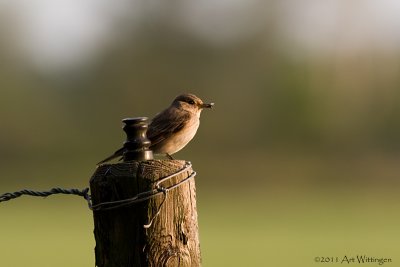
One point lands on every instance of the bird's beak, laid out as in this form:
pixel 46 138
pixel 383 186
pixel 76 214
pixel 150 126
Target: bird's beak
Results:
pixel 205 105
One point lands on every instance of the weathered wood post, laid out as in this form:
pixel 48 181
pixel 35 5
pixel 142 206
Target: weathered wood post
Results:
pixel 144 210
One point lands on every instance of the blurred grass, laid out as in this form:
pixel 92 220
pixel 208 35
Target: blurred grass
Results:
pixel 276 229
pixel 290 230
pixel 53 232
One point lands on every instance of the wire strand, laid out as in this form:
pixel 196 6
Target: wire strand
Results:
pixel 109 205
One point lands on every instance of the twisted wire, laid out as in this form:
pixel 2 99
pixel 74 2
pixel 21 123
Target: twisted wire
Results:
pixel 109 205
pixel 57 190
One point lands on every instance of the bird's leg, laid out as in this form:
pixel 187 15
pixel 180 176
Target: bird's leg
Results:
pixel 168 156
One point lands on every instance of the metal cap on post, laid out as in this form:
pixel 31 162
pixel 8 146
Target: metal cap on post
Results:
pixel 135 223
pixel 137 144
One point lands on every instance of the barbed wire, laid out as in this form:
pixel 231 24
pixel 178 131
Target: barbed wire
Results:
pixel 109 205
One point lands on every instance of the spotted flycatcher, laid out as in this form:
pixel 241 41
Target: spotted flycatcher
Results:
pixel 172 129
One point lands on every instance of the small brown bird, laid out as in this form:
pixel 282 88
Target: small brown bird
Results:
pixel 172 129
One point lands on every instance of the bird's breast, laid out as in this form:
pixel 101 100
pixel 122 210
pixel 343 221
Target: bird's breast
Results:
pixel 180 139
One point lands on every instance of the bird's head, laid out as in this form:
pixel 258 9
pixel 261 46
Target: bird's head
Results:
pixel 191 103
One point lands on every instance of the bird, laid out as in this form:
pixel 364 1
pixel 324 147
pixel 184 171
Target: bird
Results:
pixel 172 129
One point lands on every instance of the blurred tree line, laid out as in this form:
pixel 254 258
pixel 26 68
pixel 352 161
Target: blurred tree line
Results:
pixel 270 97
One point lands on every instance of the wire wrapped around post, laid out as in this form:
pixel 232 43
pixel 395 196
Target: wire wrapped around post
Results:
pixel 145 213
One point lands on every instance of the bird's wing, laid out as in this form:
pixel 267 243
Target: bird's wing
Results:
pixel 165 124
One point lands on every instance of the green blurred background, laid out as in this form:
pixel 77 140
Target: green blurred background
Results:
pixel 299 159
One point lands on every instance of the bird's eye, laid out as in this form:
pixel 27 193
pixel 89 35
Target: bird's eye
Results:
pixel 191 102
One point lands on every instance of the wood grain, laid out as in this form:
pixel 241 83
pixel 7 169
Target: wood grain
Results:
pixel 121 239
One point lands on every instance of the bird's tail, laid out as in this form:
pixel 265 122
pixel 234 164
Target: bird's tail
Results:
pixel 117 154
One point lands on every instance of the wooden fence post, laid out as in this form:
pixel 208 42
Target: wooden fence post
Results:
pixel 142 219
